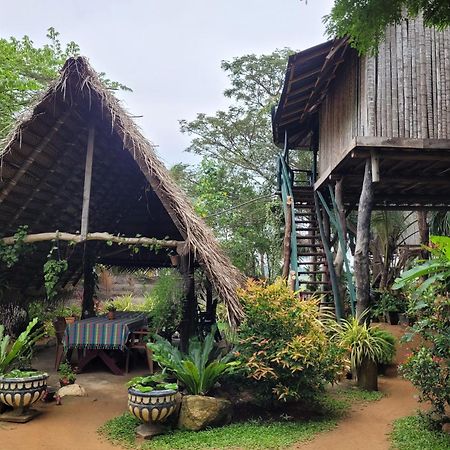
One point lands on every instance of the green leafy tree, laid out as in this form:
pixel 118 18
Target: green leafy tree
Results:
pixel 26 70
pixel 233 186
pixel 365 21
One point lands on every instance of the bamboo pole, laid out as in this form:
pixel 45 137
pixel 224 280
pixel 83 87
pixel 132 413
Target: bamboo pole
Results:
pixel 87 182
pixel 99 236
pixel 287 239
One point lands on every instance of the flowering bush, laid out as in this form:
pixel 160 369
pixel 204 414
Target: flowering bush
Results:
pixel 283 345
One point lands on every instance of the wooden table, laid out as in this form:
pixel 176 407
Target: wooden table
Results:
pixel 95 336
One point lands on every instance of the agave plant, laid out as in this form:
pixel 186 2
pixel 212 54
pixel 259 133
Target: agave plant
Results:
pixel 367 347
pixel 198 369
pixel 12 354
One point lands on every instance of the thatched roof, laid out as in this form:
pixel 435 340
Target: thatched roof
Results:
pixel 42 173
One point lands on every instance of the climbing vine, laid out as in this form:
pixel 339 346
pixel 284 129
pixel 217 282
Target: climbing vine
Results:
pixel 10 254
pixel 53 269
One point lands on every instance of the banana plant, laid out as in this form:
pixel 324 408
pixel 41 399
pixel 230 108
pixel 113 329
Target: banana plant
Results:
pixel 12 353
pixel 198 369
pixel 435 270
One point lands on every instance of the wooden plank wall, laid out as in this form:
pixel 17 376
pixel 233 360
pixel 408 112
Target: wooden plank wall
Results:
pixel 337 116
pixel 403 92
pixel 407 85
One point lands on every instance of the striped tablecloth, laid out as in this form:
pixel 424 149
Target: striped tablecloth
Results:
pixel 101 333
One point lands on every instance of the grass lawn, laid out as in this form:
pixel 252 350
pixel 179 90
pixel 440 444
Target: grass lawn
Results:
pixel 411 433
pixel 254 434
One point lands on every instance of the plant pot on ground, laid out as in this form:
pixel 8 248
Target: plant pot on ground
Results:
pixel 20 389
pixel 368 346
pixel 66 374
pixel 111 309
pixel 152 400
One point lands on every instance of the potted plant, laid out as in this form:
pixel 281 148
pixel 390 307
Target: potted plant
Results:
pixel 152 399
pixel 19 389
pixel 111 310
pixel 66 374
pixel 367 345
pixel 198 371
pixel 391 305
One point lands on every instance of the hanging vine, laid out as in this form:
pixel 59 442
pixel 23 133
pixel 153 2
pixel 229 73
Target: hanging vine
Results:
pixel 10 254
pixel 53 269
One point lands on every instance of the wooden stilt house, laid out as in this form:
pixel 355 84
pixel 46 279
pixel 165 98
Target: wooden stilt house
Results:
pixel 378 129
pixel 77 170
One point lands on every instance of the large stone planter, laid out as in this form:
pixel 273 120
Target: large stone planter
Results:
pixel 21 393
pixel 152 408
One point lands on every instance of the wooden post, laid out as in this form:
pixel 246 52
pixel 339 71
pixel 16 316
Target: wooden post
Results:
pixel 87 182
pixel 189 314
pixel 361 264
pixel 88 280
pixel 287 239
pixel 424 232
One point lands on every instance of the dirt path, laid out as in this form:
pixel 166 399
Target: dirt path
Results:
pixel 367 427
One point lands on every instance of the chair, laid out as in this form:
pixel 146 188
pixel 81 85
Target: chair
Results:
pixel 138 341
pixel 59 325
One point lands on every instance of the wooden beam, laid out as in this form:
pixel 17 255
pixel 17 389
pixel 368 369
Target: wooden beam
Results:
pixel 189 315
pixel 31 158
pixel 287 239
pixel 87 182
pixel 375 166
pixel 99 236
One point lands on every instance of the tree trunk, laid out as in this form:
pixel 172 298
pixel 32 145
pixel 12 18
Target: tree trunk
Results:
pixel 424 232
pixel 367 375
pixel 189 317
pixel 361 264
pixel 340 254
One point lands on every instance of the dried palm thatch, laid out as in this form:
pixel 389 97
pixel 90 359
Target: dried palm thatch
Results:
pixel 79 83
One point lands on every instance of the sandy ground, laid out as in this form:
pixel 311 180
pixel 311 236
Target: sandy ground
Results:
pixel 74 424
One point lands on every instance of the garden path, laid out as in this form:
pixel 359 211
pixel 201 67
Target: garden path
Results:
pixel 367 427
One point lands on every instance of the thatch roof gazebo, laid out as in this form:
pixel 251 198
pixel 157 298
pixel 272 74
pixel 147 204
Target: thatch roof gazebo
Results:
pixel 76 168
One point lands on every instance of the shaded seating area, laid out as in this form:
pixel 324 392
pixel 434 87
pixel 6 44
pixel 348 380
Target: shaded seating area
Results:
pixel 78 176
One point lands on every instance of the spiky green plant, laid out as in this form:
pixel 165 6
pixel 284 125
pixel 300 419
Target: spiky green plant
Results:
pixel 21 349
pixel 363 341
pixel 198 369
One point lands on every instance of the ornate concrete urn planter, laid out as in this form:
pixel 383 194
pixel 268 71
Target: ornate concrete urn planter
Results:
pixel 152 408
pixel 21 393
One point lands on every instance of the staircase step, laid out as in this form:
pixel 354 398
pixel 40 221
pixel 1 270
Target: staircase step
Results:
pixel 311 272
pixel 308 229
pixel 307 282
pixel 312 263
pixel 316 293
pixel 312 254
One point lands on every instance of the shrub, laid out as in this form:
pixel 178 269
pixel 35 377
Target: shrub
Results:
pixel 164 303
pixel 428 368
pixel 200 368
pixel 283 345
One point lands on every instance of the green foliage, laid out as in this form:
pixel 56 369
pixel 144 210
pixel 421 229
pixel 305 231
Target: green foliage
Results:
pixel 362 341
pixel 283 344
pixel 199 369
pixel 122 303
pixel 411 433
pixel 53 269
pixel 389 301
pixel 21 349
pixel 164 302
pixel 26 70
pixel 249 435
pixel 428 368
pixel 110 306
pixel 16 373
pixel 365 21
pixel 10 254
pixel 233 186
pixel 436 269
pixel 150 383
pixel 65 371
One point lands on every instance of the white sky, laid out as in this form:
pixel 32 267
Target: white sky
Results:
pixel 168 51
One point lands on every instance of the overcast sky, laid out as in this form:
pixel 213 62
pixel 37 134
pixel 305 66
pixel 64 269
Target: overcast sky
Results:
pixel 168 51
